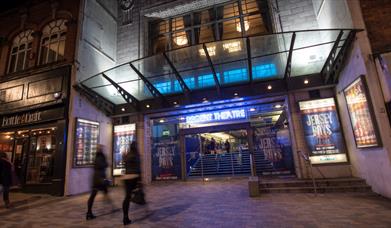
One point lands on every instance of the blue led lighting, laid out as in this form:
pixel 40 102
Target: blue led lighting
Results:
pixel 263 71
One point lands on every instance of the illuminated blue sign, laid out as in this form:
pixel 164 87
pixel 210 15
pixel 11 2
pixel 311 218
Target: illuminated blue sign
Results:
pixel 222 115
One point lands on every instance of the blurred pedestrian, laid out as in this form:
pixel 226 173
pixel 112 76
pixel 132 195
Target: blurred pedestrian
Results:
pixel 99 181
pixel 227 146
pixel 6 169
pixel 131 179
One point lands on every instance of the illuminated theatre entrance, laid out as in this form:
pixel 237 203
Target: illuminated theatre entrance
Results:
pixel 212 142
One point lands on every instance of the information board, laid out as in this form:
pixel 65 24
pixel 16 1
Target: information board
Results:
pixel 86 141
pixel 322 131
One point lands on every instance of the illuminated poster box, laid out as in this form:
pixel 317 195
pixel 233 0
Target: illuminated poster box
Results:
pixel 322 131
pixel 124 135
pixel 361 115
pixel 86 141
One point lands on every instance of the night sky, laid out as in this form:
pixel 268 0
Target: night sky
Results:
pixel 11 4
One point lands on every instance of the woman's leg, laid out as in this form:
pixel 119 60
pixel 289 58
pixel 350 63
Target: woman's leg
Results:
pixel 130 185
pixel 6 198
pixel 91 200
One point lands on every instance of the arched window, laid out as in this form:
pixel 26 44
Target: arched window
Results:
pixel 20 51
pixel 53 42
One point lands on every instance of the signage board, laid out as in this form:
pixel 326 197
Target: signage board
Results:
pixel 86 142
pixel 30 117
pixel 364 128
pixel 322 131
pixel 124 135
pixel 217 116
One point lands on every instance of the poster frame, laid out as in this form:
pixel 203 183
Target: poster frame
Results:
pixel 74 143
pixel 341 130
pixel 370 109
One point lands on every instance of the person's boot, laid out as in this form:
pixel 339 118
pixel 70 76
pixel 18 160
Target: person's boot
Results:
pixel 127 221
pixel 90 216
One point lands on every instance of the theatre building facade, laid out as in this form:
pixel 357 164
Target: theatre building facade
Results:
pixel 207 89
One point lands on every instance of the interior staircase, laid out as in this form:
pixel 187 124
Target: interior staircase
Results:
pixel 227 164
pixel 294 185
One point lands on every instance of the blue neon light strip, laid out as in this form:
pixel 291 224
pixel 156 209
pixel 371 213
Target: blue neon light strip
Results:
pixel 264 71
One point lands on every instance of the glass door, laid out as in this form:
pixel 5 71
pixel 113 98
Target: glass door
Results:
pixel 20 154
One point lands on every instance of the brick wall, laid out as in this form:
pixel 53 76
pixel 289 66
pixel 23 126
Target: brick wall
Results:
pixel 377 17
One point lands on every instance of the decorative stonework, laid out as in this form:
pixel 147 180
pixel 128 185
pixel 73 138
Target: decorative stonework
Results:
pixel 172 10
pixel 127 11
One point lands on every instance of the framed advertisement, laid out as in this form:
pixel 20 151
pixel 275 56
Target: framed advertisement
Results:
pixel 124 135
pixel 322 131
pixel 86 142
pixel 361 114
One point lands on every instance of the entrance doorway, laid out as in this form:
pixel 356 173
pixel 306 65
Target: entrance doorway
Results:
pixel 220 153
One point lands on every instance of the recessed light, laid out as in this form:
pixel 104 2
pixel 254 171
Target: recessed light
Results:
pixel 123 109
pixel 148 106
pixel 204 99
pixel 175 103
pixel 269 87
pixel 161 121
pixel 306 81
pixel 182 118
pixel 235 94
pixel 252 109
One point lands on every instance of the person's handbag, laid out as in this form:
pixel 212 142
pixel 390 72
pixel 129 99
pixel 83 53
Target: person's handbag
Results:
pixel 139 196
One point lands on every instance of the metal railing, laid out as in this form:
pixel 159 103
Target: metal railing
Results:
pixel 308 162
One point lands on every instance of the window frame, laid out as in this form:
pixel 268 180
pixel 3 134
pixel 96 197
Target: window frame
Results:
pixel 57 27
pixel 25 38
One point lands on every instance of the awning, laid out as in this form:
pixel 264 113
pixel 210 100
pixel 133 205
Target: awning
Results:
pixel 214 66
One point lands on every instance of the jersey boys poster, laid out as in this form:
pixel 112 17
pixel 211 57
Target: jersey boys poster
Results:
pixel 124 135
pixel 322 131
pixel 166 160
pixel 360 115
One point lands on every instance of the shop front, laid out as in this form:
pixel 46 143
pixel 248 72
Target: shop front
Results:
pixel 33 137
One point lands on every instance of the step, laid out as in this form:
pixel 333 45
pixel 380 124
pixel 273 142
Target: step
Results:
pixel 323 189
pixel 309 183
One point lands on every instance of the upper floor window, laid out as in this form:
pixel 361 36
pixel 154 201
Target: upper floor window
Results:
pixel 20 51
pixel 53 42
pixel 239 18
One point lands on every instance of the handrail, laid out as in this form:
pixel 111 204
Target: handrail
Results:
pixel 308 161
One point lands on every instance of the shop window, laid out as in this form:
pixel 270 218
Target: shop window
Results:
pixel 20 51
pixel 217 23
pixel 7 144
pixel 40 157
pixel 53 42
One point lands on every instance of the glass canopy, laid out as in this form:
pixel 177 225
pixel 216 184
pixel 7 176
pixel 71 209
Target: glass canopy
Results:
pixel 220 64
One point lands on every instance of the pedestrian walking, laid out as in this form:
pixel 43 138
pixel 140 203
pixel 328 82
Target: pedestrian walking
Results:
pixel 6 169
pixel 132 180
pixel 99 181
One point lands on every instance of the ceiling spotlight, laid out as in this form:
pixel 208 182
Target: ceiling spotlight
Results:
pixel 252 109
pixel 161 121
pixel 123 109
pixel 269 87
pixel 175 103
pixel 182 118
pixel 148 106
pixel 235 94
pixel 306 81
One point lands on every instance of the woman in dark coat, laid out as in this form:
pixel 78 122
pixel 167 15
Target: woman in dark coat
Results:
pixel 99 181
pixel 5 177
pixel 131 179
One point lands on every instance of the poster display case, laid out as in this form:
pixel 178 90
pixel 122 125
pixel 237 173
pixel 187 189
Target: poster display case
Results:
pixel 322 131
pixel 86 141
pixel 361 114
pixel 124 135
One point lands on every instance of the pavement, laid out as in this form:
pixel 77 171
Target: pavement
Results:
pixel 203 204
